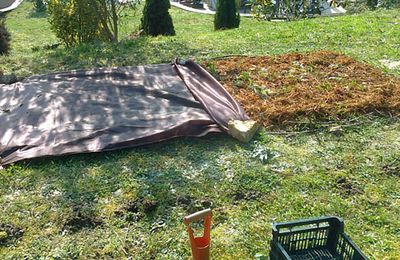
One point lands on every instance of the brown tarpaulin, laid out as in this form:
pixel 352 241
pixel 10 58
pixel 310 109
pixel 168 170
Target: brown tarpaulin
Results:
pixel 105 109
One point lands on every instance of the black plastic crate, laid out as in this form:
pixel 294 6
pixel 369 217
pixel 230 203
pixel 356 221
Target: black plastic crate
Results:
pixel 310 239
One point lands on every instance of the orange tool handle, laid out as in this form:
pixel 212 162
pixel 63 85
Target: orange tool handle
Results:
pixel 200 245
pixel 197 216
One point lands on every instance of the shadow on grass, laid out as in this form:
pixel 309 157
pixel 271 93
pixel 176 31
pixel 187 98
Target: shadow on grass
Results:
pixel 38 14
pixel 160 175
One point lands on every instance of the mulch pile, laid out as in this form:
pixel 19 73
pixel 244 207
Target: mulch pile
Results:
pixel 284 88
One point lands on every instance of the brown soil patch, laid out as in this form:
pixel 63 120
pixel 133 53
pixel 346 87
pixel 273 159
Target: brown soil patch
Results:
pixel 80 222
pixel 8 233
pixel 392 168
pixel 136 209
pixel 82 218
pixel 278 89
pixel 346 187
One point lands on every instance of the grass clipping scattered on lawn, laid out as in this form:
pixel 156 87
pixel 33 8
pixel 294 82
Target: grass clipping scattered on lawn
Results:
pixel 278 89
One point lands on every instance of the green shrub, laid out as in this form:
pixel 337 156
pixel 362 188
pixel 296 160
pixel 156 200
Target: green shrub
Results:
pixel 372 4
pixel 74 21
pixel 5 38
pixel 362 5
pixel 39 5
pixel 226 16
pixel 287 9
pixel 388 4
pixel 359 6
pixel 82 21
pixel 263 9
pixel 156 19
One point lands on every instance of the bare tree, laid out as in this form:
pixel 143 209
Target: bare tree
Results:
pixel 109 13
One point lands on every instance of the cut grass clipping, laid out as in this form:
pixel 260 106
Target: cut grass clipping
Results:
pixel 282 88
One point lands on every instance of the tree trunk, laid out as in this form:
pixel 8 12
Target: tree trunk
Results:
pixel 114 20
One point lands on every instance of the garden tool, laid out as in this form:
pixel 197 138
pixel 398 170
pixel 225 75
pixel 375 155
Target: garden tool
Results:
pixel 200 245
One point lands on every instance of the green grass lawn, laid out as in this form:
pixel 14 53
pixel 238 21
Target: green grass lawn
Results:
pixel 132 202
pixel 369 37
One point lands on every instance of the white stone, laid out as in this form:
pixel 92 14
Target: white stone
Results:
pixel 391 64
pixel 243 130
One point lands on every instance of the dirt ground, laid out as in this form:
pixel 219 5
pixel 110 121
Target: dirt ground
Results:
pixel 281 89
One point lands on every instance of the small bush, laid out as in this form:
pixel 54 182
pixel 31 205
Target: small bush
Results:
pixel 5 38
pixel 156 19
pixel 82 21
pixel 226 16
pixel 74 21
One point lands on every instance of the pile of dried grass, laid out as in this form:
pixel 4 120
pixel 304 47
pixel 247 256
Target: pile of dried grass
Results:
pixel 278 89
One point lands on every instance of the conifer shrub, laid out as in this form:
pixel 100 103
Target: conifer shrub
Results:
pixel 226 15
pixel 40 5
pixel 5 38
pixel 156 19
